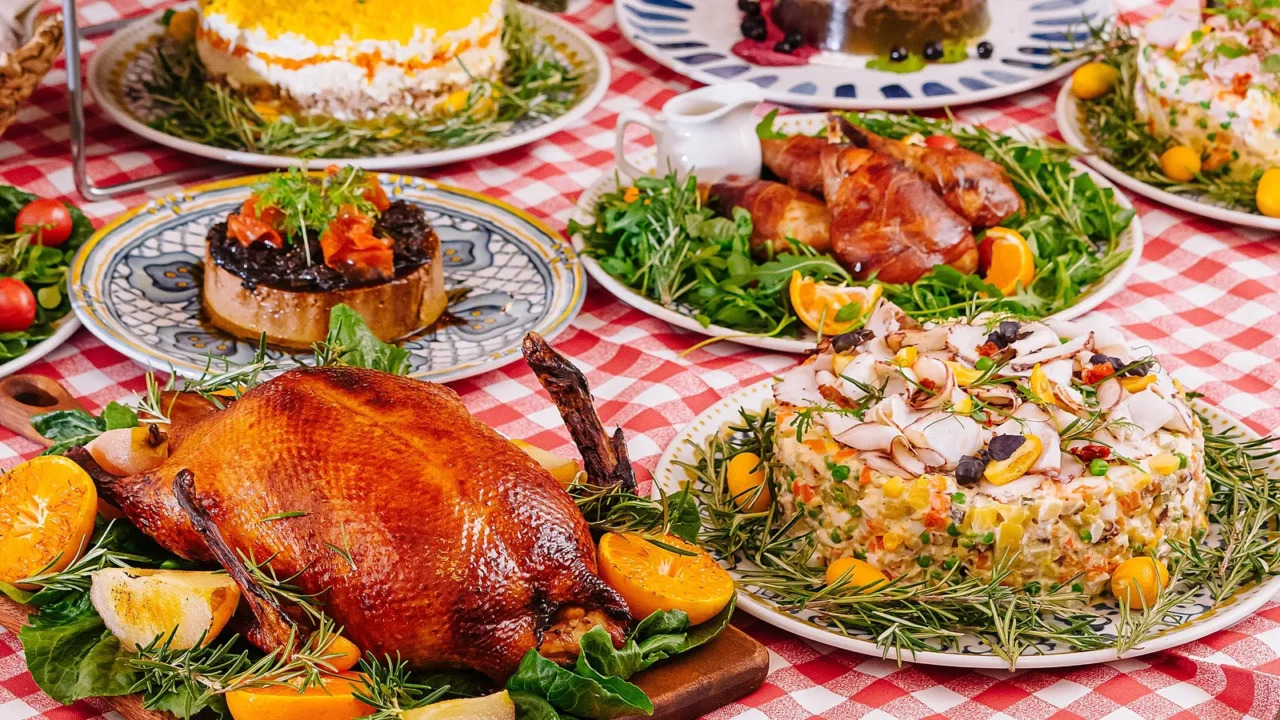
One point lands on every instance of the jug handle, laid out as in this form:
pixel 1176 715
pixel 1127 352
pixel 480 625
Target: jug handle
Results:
pixel 625 119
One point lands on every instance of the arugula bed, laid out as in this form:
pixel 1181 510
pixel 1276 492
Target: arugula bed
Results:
pixel 659 240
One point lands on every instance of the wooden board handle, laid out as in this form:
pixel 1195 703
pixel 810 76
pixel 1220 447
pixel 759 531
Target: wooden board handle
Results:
pixel 24 396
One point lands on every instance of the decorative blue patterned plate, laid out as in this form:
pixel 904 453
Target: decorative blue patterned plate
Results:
pixel 1198 617
pixel 136 283
pixel 696 37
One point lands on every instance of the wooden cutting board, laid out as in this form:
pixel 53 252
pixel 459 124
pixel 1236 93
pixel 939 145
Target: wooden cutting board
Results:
pixel 728 668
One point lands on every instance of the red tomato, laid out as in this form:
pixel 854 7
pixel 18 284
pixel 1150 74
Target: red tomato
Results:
pixel 942 142
pixel 51 217
pixel 17 305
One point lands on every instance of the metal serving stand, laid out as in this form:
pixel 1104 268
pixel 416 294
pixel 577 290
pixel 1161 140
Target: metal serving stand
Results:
pixel 75 89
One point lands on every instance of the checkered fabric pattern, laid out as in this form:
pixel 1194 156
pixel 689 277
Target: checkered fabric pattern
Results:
pixel 1207 298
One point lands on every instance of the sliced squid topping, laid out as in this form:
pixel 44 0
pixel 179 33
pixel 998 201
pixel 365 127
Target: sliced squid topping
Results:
pixel 1025 363
pixel 799 387
pixel 964 341
pixel 1038 338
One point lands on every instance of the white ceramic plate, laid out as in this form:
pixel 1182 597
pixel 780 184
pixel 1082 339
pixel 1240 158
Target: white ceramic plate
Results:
pixel 1131 239
pixel 119 70
pixel 67 327
pixel 136 283
pixel 1200 618
pixel 1067 113
pixel 696 37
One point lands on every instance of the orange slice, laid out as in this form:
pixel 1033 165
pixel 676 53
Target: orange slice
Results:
pixel 332 699
pixel 818 305
pixel 1012 261
pixel 651 578
pixel 47 509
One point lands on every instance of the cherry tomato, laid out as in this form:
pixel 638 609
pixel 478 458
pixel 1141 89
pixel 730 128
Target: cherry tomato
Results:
pixel 17 305
pixel 941 142
pixel 50 216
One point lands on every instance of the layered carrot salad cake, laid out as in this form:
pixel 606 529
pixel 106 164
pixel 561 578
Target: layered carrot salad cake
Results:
pixel 353 60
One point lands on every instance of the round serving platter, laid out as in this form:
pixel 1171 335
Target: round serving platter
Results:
pixel 67 327
pixel 695 38
pixel 808 123
pixel 1067 114
pixel 120 71
pixel 136 282
pixel 1198 618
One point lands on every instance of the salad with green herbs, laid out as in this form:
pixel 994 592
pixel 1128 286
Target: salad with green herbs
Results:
pixel 660 238
pixel 38 238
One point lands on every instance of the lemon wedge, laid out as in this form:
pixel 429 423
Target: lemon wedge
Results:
pixel 561 468
pixel 139 605
pixel 497 706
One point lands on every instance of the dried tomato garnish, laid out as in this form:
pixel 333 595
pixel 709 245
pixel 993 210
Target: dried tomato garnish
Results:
pixel 250 225
pixel 1097 373
pixel 376 195
pixel 988 349
pixel 1089 453
pixel 350 246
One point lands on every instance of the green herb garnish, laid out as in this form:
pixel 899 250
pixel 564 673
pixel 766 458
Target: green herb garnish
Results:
pixel 535 85
pixel 1112 127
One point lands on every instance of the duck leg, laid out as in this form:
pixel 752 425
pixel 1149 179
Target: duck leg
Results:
pixel 274 629
pixel 603 457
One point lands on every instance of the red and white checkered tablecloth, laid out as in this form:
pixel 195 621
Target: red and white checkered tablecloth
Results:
pixel 1207 298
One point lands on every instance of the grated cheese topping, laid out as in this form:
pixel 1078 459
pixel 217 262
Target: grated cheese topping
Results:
pixel 325 22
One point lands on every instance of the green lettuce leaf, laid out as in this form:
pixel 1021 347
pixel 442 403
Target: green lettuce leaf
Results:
pixel 596 687
pixel 357 346
pixel 68 428
pixel 571 692
pixel 77 659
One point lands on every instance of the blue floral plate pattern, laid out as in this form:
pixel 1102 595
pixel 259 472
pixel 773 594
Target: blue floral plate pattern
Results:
pixel 695 38
pixel 136 283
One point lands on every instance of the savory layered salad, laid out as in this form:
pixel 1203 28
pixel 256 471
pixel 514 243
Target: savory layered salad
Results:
pixel 350 79
pixel 942 445
pixel 352 60
pixel 1211 81
pixel 1189 102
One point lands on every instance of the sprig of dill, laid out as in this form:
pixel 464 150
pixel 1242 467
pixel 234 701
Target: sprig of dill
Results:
pixel 1114 130
pixel 535 85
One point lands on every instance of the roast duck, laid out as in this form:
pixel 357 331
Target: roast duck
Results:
pixel 882 207
pixel 463 551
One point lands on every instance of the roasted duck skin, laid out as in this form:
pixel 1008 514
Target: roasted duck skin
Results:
pixel 977 189
pixel 778 212
pixel 886 221
pixel 464 553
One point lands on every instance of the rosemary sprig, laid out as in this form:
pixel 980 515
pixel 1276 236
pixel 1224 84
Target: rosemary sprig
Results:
pixel 200 672
pixel 388 688
pixel 534 85
pixel 77 576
